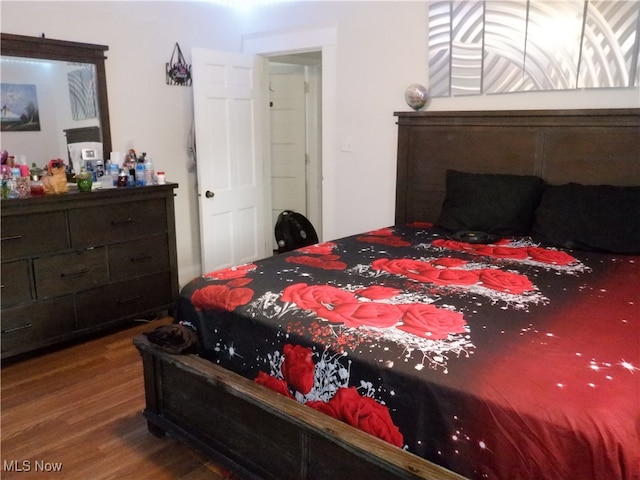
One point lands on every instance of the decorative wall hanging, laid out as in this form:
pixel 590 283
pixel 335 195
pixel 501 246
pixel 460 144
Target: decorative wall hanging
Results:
pixel 178 72
pixel 19 108
pixel 497 46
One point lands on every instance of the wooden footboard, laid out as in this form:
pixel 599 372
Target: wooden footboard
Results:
pixel 260 434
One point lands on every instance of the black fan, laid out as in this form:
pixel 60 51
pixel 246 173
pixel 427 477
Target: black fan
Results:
pixel 293 230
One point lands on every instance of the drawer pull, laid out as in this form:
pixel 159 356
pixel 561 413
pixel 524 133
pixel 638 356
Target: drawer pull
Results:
pixel 140 259
pixel 14 237
pixel 74 274
pixel 122 222
pixel 129 300
pixel 15 329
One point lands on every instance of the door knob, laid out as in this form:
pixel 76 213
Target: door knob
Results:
pixel 209 194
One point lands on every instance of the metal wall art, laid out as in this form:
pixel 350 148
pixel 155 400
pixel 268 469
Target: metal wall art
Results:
pixel 177 70
pixel 498 46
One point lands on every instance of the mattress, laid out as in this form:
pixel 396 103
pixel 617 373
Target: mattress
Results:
pixel 502 360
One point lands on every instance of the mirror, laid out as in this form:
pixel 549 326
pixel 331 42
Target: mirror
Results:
pixel 54 93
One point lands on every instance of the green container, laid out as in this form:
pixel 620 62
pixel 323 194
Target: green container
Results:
pixel 84 180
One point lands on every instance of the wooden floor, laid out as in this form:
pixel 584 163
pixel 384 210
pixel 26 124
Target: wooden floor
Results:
pixel 79 409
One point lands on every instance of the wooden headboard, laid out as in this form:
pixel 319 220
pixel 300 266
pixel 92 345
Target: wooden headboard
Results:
pixel 561 146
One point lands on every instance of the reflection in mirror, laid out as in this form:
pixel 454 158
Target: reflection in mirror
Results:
pixel 54 100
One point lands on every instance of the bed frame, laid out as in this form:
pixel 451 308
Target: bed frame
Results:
pixel 561 146
pixel 259 434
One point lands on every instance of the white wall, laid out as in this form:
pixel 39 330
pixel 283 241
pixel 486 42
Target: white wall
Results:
pixel 381 49
pixel 145 112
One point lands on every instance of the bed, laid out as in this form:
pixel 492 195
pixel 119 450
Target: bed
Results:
pixel 492 332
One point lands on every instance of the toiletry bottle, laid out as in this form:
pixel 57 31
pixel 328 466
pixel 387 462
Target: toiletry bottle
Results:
pixel 113 172
pixel 140 174
pixel 123 178
pixel 148 172
pixel 12 183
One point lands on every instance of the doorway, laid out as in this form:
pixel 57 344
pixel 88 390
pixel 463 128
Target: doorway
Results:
pixel 295 115
pixel 294 42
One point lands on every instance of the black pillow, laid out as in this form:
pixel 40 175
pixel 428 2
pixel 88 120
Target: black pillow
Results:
pixel 590 217
pixel 501 204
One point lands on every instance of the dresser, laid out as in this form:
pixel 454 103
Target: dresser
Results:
pixel 78 263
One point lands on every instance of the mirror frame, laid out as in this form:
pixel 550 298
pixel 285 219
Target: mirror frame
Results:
pixel 45 48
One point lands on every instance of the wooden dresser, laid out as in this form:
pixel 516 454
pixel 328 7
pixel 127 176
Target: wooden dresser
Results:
pixel 77 263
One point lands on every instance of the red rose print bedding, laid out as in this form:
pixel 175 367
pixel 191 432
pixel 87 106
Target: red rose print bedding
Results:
pixel 500 361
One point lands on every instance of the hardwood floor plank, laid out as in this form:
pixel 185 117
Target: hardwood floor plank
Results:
pixel 80 408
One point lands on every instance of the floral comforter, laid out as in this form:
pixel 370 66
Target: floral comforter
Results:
pixel 501 361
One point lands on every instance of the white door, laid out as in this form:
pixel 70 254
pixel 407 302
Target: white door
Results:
pixel 228 89
pixel 288 140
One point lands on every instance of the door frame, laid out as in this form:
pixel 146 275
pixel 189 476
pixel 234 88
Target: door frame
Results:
pixel 311 68
pixel 323 38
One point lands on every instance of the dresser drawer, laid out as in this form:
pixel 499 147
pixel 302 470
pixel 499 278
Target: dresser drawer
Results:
pixel 28 327
pixel 138 258
pixel 16 283
pixel 70 272
pixel 33 234
pixel 77 264
pixel 123 299
pixel 119 223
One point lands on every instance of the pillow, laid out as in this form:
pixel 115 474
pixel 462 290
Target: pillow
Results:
pixel 590 217
pixel 493 203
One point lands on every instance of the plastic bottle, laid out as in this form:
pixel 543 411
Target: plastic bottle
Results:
pixel 148 172
pixel 12 183
pixel 140 174
pixel 161 178
pixel 113 172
